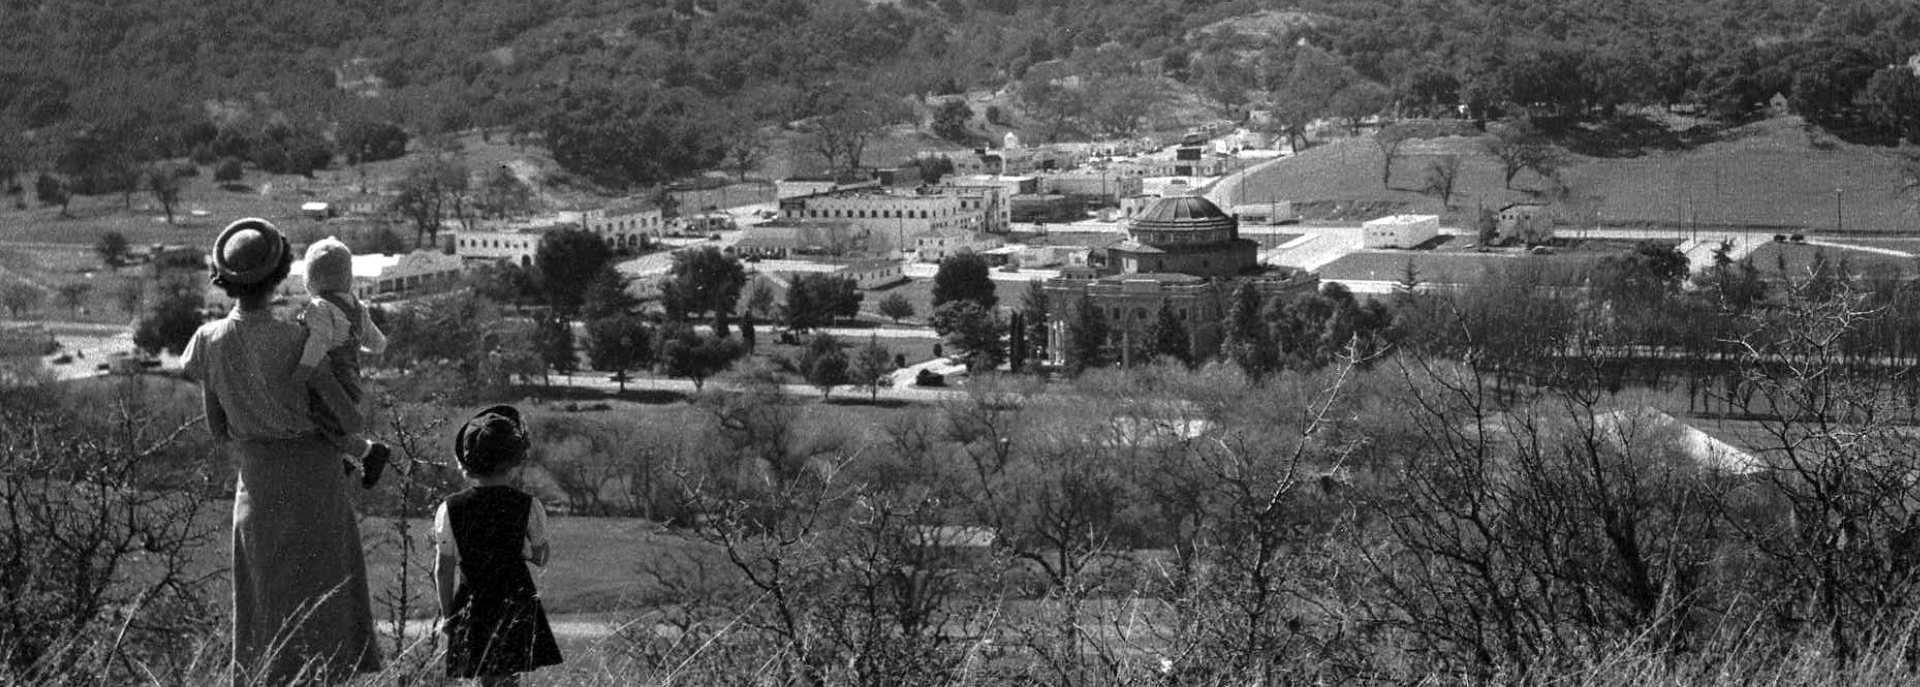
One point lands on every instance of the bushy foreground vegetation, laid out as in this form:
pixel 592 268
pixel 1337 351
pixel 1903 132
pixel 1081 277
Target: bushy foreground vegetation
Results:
pixel 1413 513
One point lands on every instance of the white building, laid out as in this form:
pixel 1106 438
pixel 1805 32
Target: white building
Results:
pixel 623 227
pixel 376 277
pixel 937 246
pixel 517 247
pixel 873 274
pixel 901 216
pixel 1399 231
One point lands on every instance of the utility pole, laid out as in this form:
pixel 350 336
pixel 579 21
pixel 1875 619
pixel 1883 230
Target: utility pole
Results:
pixel 1839 216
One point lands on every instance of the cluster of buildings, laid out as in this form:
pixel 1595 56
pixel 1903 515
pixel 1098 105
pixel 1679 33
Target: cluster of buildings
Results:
pixel 1183 253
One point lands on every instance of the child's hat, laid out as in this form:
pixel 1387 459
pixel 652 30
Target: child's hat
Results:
pixel 490 433
pixel 329 266
pixel 248 251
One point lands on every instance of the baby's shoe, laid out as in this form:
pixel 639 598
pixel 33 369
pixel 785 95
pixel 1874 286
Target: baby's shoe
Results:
pixel 375 463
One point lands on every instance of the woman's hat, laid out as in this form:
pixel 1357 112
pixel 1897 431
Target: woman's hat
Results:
pixel 248 251
pixel 495 430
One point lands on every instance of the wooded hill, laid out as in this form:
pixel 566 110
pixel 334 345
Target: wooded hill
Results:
pixel 696 72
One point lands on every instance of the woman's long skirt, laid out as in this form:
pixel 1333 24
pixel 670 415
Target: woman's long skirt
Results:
pixel 301 608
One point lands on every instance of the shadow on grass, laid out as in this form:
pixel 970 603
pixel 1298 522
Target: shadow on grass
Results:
pixel 562 393
pixel 863 402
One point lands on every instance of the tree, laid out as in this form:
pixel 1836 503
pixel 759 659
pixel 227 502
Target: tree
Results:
pixel 1441 174
pixel 429 192
pixel 632 138
pixel 1733 286
pixel 1121 106
pixel 1035 313
pixel 52 189
pixel 618 343
pixel 972 332
pixel 363 140
pixel 1248 342
pixel 760 298
pixel 1357 101
pixel 607 294
pixel 963 276
pixel 165 186
pixel 1390 140
pixel 847 119
pixel 743 145
pixel 73 294
pixel 20 297
pixel 824 363
pixel 896 307
pixel 169 322
pixel 950 120
pixel 1169 336
pixel 703 280
pixel 1519 146
pixel 553 342
pixel 1307 93
pixel 816 299
pixel 228 170
pixel 112 249
pixel 503 195
pixel 697 357
pixel 1086 339
pixel 869 367
pixel 1051 105
pixel 1892 100
pixel 567 265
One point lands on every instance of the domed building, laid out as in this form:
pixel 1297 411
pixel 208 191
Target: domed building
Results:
pixel 1185 235
pixel 1182 253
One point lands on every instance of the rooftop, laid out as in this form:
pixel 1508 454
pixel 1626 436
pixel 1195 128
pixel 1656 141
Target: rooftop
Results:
pixel 1181 209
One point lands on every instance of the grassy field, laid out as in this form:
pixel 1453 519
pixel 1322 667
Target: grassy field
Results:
pixel 1453 264
pixel 1798 258
pixel 1771 175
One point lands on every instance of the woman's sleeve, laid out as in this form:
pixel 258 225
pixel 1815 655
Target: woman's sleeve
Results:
pixel 193 361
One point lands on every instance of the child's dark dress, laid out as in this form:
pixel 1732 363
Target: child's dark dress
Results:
pixel 497 626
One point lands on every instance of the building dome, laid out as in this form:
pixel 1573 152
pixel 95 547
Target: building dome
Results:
pixel 1184 235
pixel 1181 209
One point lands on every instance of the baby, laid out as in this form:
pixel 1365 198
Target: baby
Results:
pixel 338 331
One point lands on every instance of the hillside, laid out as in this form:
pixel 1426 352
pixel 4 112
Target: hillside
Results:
pixel 1776 174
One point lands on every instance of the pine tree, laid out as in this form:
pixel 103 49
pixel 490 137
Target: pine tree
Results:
pixel 1086 337
pixel 1169 337
pixel 1248 344
pixel 1034 315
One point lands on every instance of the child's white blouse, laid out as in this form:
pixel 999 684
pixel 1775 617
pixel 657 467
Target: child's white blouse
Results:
pixel 444 544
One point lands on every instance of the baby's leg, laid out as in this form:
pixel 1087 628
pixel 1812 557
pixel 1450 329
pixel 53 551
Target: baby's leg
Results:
pixel 335 407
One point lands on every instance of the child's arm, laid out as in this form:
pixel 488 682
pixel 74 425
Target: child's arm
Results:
pixel 446 571
pixel 323 333
pixel 446 561
pixel 372 340
pixel 538 548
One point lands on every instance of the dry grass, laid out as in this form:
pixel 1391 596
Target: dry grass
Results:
pixel 1771 175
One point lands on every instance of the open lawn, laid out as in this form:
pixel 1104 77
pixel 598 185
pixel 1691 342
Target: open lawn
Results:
pixel 1796 260
pixel 1771 175
pixel 98 295
pixel 1456 265
pixel 1340 180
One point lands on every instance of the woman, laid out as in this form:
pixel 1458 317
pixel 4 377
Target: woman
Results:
pixel 300 602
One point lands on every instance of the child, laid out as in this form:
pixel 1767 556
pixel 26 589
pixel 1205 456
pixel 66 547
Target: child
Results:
pixel 494 623
pixel 338 331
